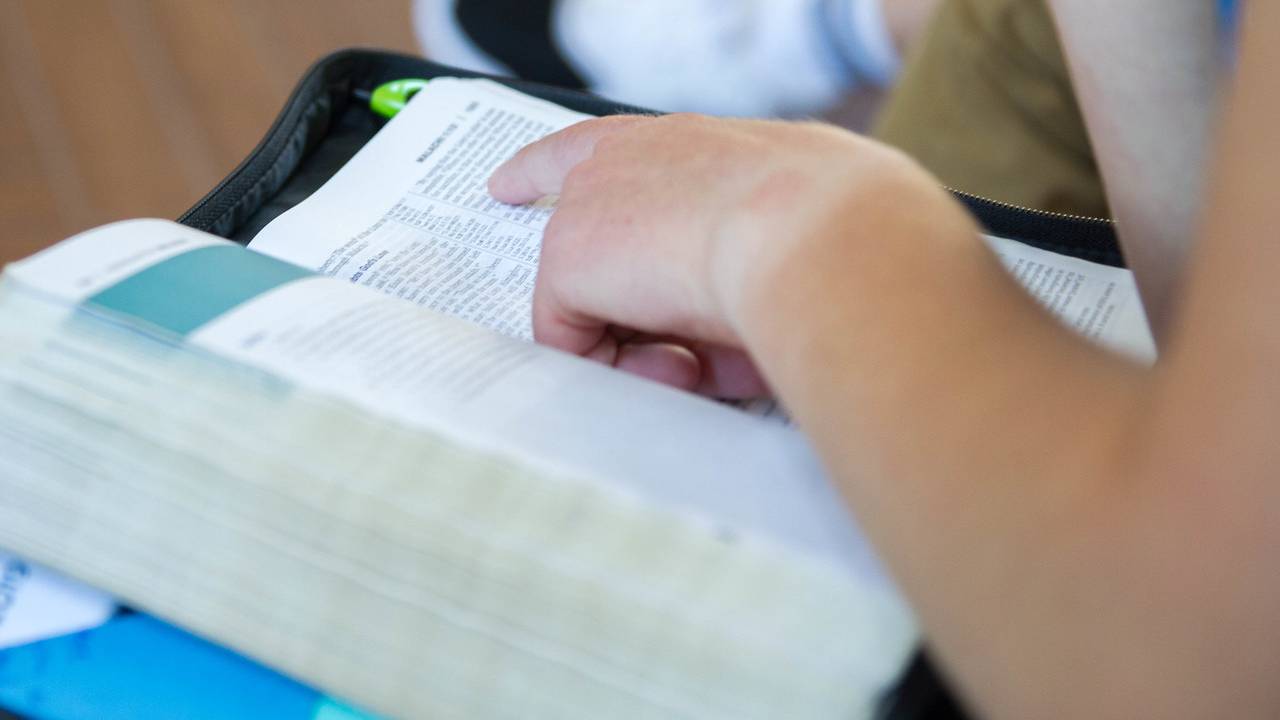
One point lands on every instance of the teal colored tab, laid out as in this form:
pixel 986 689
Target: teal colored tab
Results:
pixel 186 291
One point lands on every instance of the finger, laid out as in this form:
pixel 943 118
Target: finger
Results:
pixel 539 169
pixel 662 362
pixel 708 369
pixel 605 352
pixel 666 363
pixel 557 325
pixel 728 373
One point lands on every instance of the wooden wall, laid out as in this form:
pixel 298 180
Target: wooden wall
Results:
pixel 112 109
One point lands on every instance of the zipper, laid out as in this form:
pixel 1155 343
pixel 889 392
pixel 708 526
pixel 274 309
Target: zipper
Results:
pixel 1082 236
pixel 211 210
pixel 271 146
pixel 981 200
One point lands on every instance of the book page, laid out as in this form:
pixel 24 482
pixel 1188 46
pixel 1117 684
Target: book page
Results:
pixel 398 567
pixel 563 413
pixel 1098 301
pixel 37 603
pixel 87 263
pixel 410 215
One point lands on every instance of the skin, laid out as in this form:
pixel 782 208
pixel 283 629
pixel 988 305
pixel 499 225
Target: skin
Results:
pixel 1080 536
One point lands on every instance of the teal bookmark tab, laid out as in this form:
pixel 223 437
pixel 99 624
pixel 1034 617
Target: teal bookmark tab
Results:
pixel 186 291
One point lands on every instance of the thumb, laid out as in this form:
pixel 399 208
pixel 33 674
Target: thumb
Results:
pixel 539 169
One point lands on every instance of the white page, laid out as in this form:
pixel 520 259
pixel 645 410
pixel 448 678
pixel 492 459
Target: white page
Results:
pixel 410 215
pixel 1098 301
pixel 675 449
pixel 565 413
pixel 37 603
pixel 747 483
pixel 91 261
pixel 603 604
pixel 421 367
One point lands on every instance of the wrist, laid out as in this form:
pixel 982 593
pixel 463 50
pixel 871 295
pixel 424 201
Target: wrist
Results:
pixel 854 195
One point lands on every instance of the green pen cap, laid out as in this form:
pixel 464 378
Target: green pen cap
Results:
pixel 390 98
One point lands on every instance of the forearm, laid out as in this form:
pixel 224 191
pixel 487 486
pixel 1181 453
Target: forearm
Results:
pixel 1082 537
pixel 911 321
pixel 980 444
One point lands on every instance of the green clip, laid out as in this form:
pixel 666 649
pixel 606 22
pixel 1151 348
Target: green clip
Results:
pixel 390 98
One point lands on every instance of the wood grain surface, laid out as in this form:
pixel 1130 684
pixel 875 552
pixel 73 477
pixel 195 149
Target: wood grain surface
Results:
pixel 112 109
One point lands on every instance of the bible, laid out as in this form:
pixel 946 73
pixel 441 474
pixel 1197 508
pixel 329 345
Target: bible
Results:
pixel 338 452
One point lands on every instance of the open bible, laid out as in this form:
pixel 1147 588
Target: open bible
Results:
pixel 338 453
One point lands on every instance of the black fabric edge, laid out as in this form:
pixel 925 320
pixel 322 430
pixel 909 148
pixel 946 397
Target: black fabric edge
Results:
pixel 921 694
pixel 322 93
pixel 1091 239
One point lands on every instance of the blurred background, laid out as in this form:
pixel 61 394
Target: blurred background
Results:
pixel 112 109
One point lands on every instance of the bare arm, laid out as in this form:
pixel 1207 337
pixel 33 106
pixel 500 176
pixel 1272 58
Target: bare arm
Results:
pixel 1081 537
pixel 1147 73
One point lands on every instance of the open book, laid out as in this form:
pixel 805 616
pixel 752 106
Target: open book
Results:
pixel 338 453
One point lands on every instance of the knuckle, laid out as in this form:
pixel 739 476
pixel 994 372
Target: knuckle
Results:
pixel 581 178
pixel 558 234
pixel 608 144
pixel 560 148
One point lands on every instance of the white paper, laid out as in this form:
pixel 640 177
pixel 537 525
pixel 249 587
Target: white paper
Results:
pixel 410 215
pixel 1098 301
pixel 613 607
pixel 548 408
pixel 94 260
pixel 36 603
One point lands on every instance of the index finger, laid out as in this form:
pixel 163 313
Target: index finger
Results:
pixel 539 169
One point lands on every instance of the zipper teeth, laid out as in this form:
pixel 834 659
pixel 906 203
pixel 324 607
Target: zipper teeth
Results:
pixel 241 173
pixel 1031 211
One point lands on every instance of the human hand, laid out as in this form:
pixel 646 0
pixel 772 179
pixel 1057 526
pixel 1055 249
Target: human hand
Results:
pixel 663 224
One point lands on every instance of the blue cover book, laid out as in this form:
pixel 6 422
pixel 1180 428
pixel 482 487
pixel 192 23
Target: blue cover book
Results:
pixel 138 668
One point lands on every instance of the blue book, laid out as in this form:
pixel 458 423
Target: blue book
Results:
pixel 135 667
